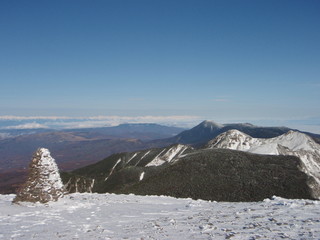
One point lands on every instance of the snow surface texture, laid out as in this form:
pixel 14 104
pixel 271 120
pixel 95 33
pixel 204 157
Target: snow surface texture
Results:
pixel 44 183
pixel 291 143
pixel 107 216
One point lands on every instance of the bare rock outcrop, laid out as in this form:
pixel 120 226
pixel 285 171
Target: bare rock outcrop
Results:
pixel 43 183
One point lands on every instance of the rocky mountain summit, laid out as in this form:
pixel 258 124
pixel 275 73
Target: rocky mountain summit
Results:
pixel 43 183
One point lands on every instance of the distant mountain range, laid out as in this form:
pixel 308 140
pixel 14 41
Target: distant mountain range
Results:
pixel 142 131
pixel 72 148
pixel 75 148
pixel 207 130
pixel 213 172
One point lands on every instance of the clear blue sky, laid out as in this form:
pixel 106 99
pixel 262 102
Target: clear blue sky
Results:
pixel 221 60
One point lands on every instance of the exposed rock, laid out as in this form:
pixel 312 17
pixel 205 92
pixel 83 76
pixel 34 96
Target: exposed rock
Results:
pixel 43 183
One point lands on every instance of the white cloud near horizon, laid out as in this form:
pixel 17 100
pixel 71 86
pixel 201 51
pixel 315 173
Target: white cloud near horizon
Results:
pixel 32 125
pixel 64 122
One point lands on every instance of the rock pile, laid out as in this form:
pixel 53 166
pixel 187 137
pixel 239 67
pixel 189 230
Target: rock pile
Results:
pixel 43 183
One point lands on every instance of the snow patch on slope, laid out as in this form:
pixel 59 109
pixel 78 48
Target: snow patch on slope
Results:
pixel 141 176
pixel 143 157
pixel 133 156
pixel 171 154
pixel 119 160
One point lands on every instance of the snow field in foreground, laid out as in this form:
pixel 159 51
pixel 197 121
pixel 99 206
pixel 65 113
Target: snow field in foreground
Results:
pixel 109 216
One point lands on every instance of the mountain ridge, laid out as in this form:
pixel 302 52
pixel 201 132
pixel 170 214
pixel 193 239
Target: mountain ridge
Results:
pixel 76 148
pixel 208 130
pixel 141 177
pixel 291 143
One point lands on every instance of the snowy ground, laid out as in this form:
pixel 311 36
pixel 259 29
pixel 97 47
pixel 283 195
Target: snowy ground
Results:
pixel 108 216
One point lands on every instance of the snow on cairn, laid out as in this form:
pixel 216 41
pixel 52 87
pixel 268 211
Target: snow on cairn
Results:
pixel 44 183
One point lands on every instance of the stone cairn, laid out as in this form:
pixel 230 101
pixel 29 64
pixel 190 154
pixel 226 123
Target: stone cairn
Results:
pixel 43 183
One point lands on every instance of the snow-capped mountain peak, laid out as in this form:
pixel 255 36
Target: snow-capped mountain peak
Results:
pixel 291 143
pixel 237 140
pixel 232 139
pixel 297 141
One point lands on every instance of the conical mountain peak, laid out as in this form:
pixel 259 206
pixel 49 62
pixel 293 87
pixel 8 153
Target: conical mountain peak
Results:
pixel 210 124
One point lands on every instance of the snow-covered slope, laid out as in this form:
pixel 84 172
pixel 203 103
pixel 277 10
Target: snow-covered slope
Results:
pixel 290 143
pixel 109 216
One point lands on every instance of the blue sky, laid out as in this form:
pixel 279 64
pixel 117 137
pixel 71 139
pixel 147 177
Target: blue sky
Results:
pixel 228 61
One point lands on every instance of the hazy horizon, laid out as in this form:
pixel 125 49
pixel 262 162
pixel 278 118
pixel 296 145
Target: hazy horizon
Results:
pixel 65 122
